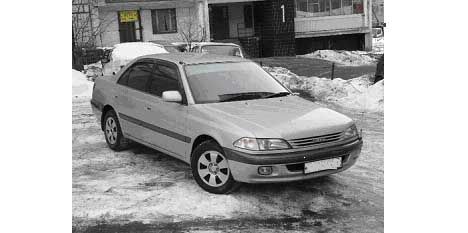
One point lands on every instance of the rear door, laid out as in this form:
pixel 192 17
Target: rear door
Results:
pixel 131 99
pixel 167 119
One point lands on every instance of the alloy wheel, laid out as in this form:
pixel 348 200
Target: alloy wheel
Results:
pixel 213 168
pixel 111 130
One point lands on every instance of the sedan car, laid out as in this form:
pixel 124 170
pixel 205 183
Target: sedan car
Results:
pixel 226 117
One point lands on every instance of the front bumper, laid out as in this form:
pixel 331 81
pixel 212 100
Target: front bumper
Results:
pixel 289 166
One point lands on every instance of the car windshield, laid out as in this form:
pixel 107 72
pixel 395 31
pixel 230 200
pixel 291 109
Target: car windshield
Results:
pixel 223 82
pixel 226 50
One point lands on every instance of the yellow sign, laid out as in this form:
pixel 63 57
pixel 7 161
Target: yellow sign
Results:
pixel 128 16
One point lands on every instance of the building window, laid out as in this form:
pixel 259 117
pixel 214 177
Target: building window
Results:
pixel 248 19
pixel 164 21
pixel 320 8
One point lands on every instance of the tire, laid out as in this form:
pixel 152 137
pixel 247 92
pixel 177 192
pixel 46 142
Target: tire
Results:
pixel 211 170
pixel 113 133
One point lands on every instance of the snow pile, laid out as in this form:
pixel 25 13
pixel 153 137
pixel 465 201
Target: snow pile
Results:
pixel 378 45
pixel 125 52
pixel 81 87
pixel 346 58
pixel 356 93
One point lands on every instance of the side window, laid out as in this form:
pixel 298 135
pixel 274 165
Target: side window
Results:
pixel 165 78
pixel 139 75
pixel 123 80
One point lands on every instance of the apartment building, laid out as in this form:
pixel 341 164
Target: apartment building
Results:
pixel 263 27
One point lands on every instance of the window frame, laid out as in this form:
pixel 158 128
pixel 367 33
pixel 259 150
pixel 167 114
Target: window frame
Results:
pixel 154 22
pixel 180 84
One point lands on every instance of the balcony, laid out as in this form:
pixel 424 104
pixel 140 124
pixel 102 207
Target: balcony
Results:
pixel 330 25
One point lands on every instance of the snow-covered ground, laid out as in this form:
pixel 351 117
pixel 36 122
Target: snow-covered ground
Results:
pixel 350 58
pixel 81 86
pixel 146 186
pixel 342 57
pixel 357 93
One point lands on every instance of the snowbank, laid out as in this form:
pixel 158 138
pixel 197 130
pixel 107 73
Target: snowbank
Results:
pixel 81 87
pixel 125 52
pixel 345 58
pixel 357 93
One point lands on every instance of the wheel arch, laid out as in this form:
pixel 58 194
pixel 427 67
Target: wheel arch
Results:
pixel 105 109
pixel 200 139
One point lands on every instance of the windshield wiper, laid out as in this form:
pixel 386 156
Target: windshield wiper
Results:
pixel 278 94
pixel 242 96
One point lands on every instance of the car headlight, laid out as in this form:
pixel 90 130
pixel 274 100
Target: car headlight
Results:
pixel 262 144
pixel 351 132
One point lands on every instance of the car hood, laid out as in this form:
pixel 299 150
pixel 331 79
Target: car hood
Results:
pixel 289 117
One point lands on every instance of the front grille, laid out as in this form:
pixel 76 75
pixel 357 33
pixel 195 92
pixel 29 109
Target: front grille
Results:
pixel 317 140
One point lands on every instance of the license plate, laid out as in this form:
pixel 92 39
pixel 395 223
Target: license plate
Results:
pixel 321 165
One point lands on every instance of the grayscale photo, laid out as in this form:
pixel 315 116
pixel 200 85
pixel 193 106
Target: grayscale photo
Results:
pixel 228 116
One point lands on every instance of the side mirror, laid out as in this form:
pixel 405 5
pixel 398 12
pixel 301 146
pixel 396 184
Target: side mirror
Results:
pixel 172 96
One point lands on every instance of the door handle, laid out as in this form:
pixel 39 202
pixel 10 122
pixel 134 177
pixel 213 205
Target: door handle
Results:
pixel 116 96
pixel 148 108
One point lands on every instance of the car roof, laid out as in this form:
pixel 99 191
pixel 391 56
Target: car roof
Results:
pixel 194 58
pixel 164 43
pixel 214 43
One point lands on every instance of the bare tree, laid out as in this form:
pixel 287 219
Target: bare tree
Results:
pixel 88 26
pixel 190 30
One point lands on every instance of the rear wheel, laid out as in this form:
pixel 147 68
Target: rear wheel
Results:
pixel 210 169
pixel 113 133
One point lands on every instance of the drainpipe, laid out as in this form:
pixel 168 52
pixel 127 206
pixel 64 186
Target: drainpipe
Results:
pixel 368 24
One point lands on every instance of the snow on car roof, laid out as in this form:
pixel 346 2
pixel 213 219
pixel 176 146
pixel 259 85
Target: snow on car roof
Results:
pixel 131 50
pixel 195 58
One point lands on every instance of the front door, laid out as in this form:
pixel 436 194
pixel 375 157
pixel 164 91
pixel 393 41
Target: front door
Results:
pixel 127 25
pixel 219 22
pixel 127 32
pixel 168 119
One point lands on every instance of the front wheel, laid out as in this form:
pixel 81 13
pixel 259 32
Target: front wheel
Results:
pixel 210 169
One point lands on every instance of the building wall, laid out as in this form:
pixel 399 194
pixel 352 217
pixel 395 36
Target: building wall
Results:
pixel 347 31
pixel 184 15
pixel 110 35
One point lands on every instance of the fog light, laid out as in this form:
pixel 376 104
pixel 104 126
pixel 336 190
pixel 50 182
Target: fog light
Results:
pixel 265 170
